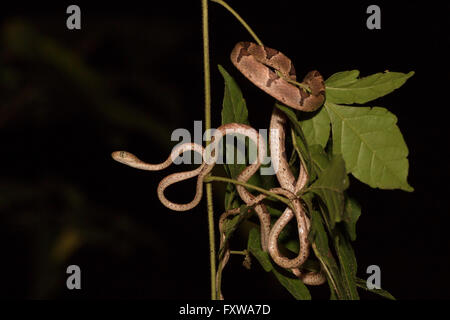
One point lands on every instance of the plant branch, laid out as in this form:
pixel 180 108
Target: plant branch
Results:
pixel 251 186
pixel 209 192
pixel 234 13
pixel 242 253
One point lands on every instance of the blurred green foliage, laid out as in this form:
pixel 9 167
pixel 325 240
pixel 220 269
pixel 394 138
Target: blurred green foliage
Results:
pixel 56 110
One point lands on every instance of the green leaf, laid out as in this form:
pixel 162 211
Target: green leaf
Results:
pixel 319 235
pixel 319 158
pixel 347 261
pixel 317 128
pixel 362 284
pixel 254 246
pixel 231 201
pixel 330 188
pixel 333 295
pixel 293 285
pixel 234 106
pixel 371 144
pixel 342 78
pixel 323 253
pixel 352 212
pixel 346 89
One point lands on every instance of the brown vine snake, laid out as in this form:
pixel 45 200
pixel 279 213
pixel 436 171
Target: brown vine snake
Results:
pixel 253 61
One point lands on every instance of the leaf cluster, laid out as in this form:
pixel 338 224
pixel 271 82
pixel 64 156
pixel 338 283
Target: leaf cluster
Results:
pixel 339 139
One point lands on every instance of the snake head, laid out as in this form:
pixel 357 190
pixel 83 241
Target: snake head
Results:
pixel 123 157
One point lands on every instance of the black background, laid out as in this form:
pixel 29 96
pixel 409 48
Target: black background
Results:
pixel 59 183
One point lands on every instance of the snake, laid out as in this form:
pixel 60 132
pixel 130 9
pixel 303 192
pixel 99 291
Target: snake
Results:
pixel 289 187
pixel 210 156
pixel 271 71
pixel 288 182
pixel 274 73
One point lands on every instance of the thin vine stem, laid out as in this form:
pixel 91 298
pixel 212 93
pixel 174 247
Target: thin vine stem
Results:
pixel 234 13
pixel 253 34
pixel 242 253
pixel 251 186
pixel 209 191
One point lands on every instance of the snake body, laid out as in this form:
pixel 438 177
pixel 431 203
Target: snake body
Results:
pixel 133 161
pixel 274 73
pixel 293 186
pixel 271 70
pixel 210 157
pixel 287 182
pixel 256 62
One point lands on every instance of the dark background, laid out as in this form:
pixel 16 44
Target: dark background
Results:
pixel 132 75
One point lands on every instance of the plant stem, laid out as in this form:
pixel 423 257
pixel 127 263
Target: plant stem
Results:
pixel 242 253
pixel 250 186
pixel 234 13
pixel 209 192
